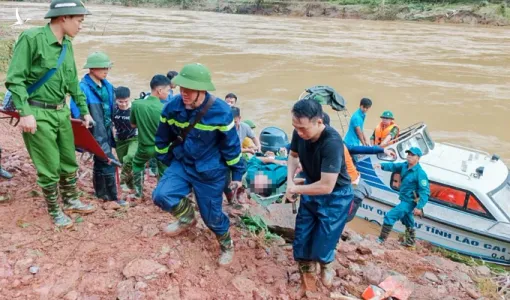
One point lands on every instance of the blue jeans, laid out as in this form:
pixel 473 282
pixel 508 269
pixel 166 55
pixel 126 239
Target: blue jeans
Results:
pixel 176 184
pixel 319 224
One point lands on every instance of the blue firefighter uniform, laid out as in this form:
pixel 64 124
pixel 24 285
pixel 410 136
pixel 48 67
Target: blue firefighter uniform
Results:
pixel 414 183
pixel 201 162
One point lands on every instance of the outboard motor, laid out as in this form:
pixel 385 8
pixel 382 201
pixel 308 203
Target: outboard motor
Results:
pixel 272 139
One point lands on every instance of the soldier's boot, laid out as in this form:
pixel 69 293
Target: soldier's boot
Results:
pixel 185 215
pixel 124 182
pixel 126 177
pixel 327 274
pixel 153 167
pixel 57 215
pixel 70 196
pixel 410 238
pixel 226 249
pixel 308 270
pixel 385 232
pixel 138 178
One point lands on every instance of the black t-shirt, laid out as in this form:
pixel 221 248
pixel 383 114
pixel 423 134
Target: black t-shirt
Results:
pixel 123 125
pixel 325 155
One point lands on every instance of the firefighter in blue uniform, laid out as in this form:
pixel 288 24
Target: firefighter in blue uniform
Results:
pixel 414 193
pixel 201 161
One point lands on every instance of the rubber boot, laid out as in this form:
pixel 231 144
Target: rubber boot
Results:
pixel 111 190
pixel 153 167
pixel 410 238
pixel 308 278
pixel 138 178
pixel 385 232
pixel 226 249
pixel 185 215
pixel 72 203
pixel 126 180
pixel 99 184
pixel 327 274
pixel 57 215
pixel 5 174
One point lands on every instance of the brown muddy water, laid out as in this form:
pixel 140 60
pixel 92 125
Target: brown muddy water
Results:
pixel 454 78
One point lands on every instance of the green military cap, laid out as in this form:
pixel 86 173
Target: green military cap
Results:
pixel 387 114
pixel 98 60
pixel 194 77
pixel 250 123
pixel 66 8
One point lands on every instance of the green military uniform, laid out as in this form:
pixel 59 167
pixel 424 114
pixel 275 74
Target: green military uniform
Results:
pixel 145 114
pixel 52 146
pixel 126 151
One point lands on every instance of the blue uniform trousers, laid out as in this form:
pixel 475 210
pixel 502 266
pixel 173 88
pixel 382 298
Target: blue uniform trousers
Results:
pixel 319 224
pixel 402 212
pixel 176 184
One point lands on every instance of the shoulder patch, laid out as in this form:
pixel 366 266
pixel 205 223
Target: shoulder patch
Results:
pixel 423 182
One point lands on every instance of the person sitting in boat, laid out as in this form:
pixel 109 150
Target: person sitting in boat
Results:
pixel 244 131
pixel 414 193
pixel 386 132
pixel 248 143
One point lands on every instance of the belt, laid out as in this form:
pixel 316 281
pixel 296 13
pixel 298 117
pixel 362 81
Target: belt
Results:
pixel 46 105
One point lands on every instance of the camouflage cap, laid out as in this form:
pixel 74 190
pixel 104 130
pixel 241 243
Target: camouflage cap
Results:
pixel 66 8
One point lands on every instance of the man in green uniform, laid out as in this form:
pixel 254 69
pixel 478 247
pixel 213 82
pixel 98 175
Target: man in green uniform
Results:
pixel 145 116
pixel 44 115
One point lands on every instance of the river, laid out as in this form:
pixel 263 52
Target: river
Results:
pixel 454 78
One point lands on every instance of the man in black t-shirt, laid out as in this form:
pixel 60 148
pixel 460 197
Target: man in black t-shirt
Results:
pixel 326 195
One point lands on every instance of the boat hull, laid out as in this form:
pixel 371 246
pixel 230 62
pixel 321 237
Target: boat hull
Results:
pixel 442 235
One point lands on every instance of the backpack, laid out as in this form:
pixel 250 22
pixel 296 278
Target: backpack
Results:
pixel 326 95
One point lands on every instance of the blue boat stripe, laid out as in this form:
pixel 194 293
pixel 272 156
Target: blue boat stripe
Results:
pixel 371 178
pixel 379 186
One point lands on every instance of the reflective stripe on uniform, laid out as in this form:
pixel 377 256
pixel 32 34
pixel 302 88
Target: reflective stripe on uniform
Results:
pixel 234 161
pixel 198 126
pixel 162 151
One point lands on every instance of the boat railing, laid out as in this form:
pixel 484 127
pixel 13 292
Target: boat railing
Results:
pixel 445 169
pixel 467 148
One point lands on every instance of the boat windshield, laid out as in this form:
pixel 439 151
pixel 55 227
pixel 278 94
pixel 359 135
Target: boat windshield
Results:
pixel 416 141
pixel 428 139
pixel 502 197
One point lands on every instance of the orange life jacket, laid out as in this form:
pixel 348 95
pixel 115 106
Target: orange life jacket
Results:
pixel 381 134
pixel 351 169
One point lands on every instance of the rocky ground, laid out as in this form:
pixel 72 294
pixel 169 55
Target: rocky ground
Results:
pixel 122 254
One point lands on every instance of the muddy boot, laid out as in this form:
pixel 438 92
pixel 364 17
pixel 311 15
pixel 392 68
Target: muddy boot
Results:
pixel 308 278
pixel 153 167
pixel 385 232
pixel 327 274
pixel 410 238
pixel 138 178
pixel 123 182
pixel 111 190
pixel 185 215
pixel 57 215
pixel 5 174
pixel 72 203
pixel 226 248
